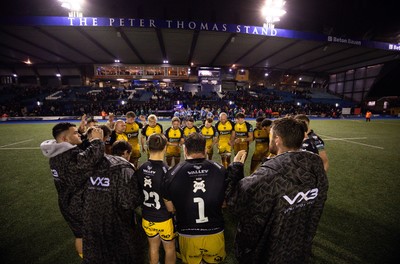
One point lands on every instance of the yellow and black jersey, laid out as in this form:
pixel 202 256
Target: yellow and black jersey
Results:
pixel 117 136
pixel 174 135
pixel 261 136
pixel 132 131
pixel 242 130
pixel 148 130
pixel 208 132
pixel 224 130
pixel 187 131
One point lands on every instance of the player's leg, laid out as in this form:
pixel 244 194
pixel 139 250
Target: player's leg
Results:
pixel 154 246
pixel 170 253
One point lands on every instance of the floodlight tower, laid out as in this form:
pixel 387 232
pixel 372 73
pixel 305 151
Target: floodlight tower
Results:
pixel 74 7
pixel 272 12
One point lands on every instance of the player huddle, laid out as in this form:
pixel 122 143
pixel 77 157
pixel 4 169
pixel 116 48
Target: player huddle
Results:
pixel 101 186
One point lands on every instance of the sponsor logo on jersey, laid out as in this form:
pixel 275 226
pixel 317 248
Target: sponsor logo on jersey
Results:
pixel 199 185
pixel 309 195
pixel 100 181
pixel 197 172
pixel 197 167
pixel 148 170
pixel 147 182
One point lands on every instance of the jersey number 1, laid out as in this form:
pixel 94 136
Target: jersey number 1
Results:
pixel 202 218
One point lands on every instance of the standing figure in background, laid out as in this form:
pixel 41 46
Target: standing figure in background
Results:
pixel 242 133
pixel 174 135
pixel 157 222
pixel 152 127
pixel 132 132
pixel 318 142
pixel 261 138
pixel 71 168
pixel 210 134
pixel 368 116
pixel 279 205
pixel 224 128
pixel 195 190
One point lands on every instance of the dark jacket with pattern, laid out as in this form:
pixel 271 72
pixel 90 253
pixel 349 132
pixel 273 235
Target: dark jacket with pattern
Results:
pixel 71 168
pixel 278 208
pixel 111 195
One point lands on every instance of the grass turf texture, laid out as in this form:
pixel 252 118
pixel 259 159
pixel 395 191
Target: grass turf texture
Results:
pixel 360 223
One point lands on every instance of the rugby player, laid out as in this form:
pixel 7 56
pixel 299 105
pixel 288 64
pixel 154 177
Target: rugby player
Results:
pixel 174 135
pixel 224 128
pixel 132 130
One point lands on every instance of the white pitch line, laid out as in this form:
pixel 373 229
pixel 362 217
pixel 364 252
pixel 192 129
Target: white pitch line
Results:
pixel 349 141
pixel 19 148
pixel 15 143
pixel 344 138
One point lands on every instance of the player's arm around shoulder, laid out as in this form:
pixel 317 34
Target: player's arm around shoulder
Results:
pixel 94 153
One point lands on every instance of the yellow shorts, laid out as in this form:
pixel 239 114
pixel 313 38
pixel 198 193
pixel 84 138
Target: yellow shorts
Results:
pixel 164 229
pixel 210 248
pixel 241 146
pixel 173 151
pixel 224 148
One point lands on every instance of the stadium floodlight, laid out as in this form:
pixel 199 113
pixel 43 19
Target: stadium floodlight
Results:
pixel 74 7
pixel 58 75
pixel 28 61
pixel 272 12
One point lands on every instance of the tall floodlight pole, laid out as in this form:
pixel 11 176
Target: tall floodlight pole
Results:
pixel 272 12
pixel 74 7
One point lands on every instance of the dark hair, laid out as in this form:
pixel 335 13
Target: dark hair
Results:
pixel 290 130
pixel 156 142
pixel 259 119
pixel 106 131
pixel 118 147
pixel 210 120
pixel 61 127
pixel 240 115
pixel 190 119
pixel 302 117
pixel 266 123
pixel 195 143
pixel 130 114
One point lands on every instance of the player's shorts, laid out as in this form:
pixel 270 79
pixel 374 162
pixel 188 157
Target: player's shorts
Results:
pixel 224 148
pixel 210 248
pixel 135 153
pixel 164 229
pixel 173 151
pixel 241 146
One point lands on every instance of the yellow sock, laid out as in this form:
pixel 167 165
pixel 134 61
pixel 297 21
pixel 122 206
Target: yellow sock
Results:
pixel 81 255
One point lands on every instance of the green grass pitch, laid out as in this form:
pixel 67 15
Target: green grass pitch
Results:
pixel 360 223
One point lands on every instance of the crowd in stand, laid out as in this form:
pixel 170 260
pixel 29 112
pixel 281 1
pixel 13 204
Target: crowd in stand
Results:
pixel 31 101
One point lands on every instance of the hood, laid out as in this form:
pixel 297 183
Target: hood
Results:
pixel 50 148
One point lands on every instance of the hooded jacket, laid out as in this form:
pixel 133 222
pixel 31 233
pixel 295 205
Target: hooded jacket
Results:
pixel 278 207
pixel 71 167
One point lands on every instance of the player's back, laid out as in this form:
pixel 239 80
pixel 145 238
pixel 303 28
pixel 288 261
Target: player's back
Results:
pixel 196 187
